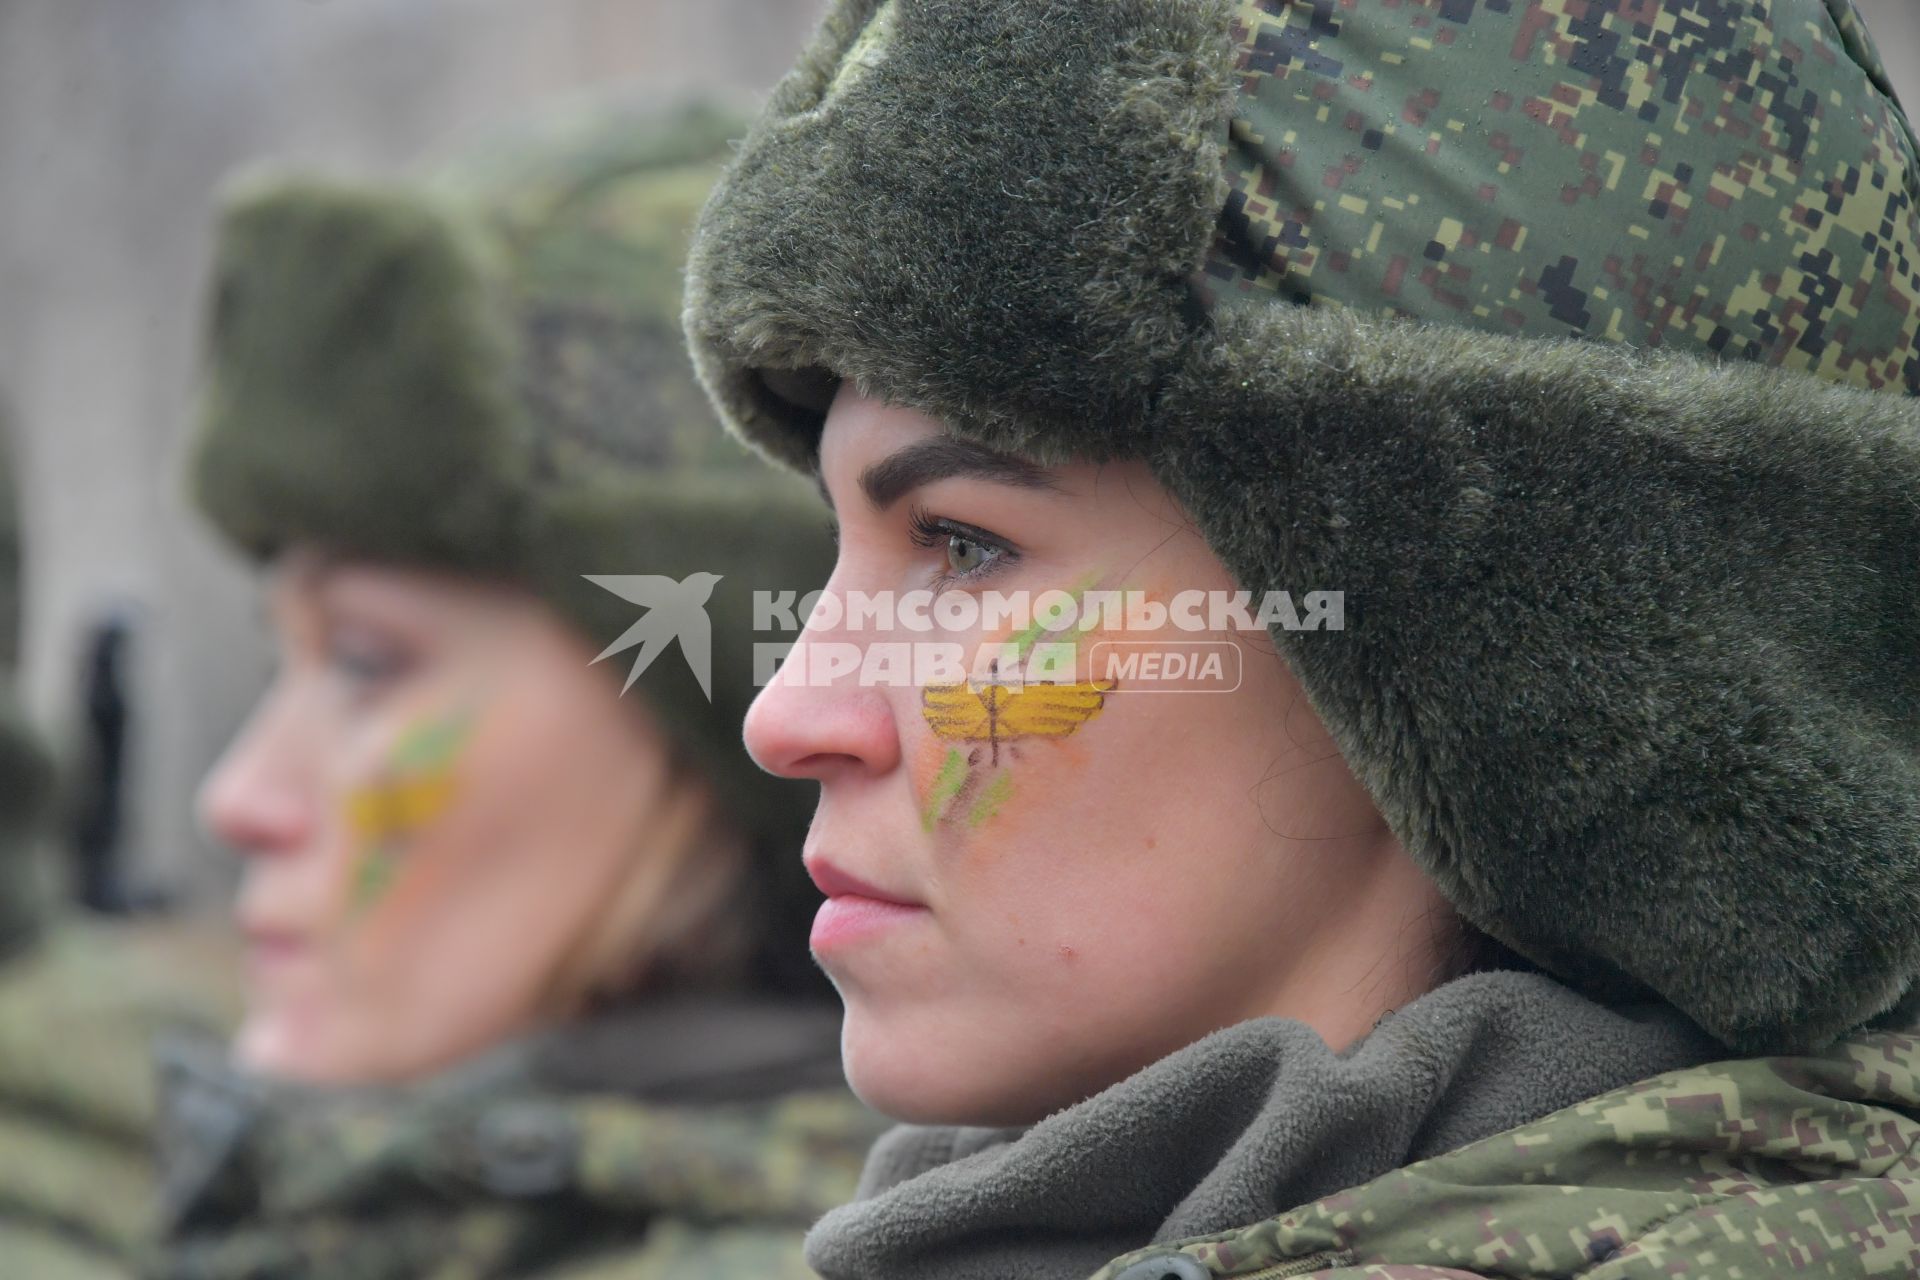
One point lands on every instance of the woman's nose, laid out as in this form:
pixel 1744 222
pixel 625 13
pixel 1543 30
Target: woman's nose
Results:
pixel 817 718
pixel 256 801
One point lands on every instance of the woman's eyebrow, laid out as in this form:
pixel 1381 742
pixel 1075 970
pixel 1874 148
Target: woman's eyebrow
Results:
pixel 888 480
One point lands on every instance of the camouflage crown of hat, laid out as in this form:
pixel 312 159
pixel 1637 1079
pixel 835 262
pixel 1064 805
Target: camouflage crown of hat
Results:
pixel 1574 340
pixel 482 370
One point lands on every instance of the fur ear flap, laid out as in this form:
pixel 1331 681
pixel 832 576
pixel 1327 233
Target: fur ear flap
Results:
pixel 1631 656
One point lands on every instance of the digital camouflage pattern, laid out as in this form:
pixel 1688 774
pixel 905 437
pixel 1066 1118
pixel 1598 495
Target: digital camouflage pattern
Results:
pixel 1700 175
pixel 487 1171
pixel 78 1015
pixel 589 212
pixel 1745 1168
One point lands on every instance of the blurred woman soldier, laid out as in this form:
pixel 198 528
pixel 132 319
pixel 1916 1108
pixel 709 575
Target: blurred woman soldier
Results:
pixel 1517 400
pixel 526 983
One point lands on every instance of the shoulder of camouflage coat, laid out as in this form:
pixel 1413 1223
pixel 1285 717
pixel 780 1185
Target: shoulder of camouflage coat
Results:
pixel 482 1171
pixel 1754 1166
pixel 78 1014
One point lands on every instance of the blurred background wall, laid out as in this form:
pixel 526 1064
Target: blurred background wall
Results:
pixel 1896 25
pixel 117 120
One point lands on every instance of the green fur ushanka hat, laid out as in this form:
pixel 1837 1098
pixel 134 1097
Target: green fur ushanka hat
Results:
pixel 482 371
pixel 1574 341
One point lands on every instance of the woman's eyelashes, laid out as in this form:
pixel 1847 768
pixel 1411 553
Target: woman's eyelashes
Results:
pixel 368 664
pixel 971 553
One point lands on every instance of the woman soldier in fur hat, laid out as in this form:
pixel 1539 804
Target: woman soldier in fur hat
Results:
pixel 526 985
pixel 1517 401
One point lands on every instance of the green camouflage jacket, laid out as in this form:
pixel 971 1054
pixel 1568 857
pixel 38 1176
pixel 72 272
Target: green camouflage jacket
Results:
pixel 678 1142
pixel 78 1013
pixel 1744 1168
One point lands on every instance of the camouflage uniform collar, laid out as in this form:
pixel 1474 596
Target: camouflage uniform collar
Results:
pixel 205 1107
pixel 226 1135
pixel 524 1122
pixel 1750 1166
pixel 1242 1125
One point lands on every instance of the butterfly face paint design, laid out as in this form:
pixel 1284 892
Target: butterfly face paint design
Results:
pixel 995 714
pixel 413 788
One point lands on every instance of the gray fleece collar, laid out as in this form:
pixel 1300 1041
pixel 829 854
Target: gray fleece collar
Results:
pixel 1245 1124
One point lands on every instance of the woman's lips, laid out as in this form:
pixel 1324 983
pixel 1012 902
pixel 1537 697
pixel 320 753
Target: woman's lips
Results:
pixel 848 918
pixel 835 883
pixel 854 909
pixel 275 950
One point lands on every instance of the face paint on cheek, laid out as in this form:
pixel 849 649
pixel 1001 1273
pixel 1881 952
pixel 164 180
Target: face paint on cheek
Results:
pixel 944 785
pixel 1022 643
pixel 413 787
pixel 989 718
pixel 991 797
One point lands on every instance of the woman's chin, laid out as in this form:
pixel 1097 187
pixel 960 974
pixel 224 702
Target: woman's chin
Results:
pixel 286 1046
pixel 923 1073
pixel 268 1044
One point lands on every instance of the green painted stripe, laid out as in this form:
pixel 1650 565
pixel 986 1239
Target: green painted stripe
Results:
pixel 1027 638
pixel 946 784
pixel 432 744
pixel 989 801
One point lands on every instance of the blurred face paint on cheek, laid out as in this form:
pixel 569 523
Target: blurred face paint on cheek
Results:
pixel 413 786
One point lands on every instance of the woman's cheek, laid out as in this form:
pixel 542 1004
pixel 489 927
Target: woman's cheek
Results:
pixel 929 756
pixel 395 865
pixel 996 735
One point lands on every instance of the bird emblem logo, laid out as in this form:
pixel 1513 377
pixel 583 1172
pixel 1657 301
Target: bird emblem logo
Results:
pixel 675 610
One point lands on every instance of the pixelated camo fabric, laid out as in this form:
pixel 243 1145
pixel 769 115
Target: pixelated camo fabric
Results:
pixel 1715 176
pixel 1751 1168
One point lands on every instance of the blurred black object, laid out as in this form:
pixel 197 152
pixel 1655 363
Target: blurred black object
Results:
pixel 100 780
